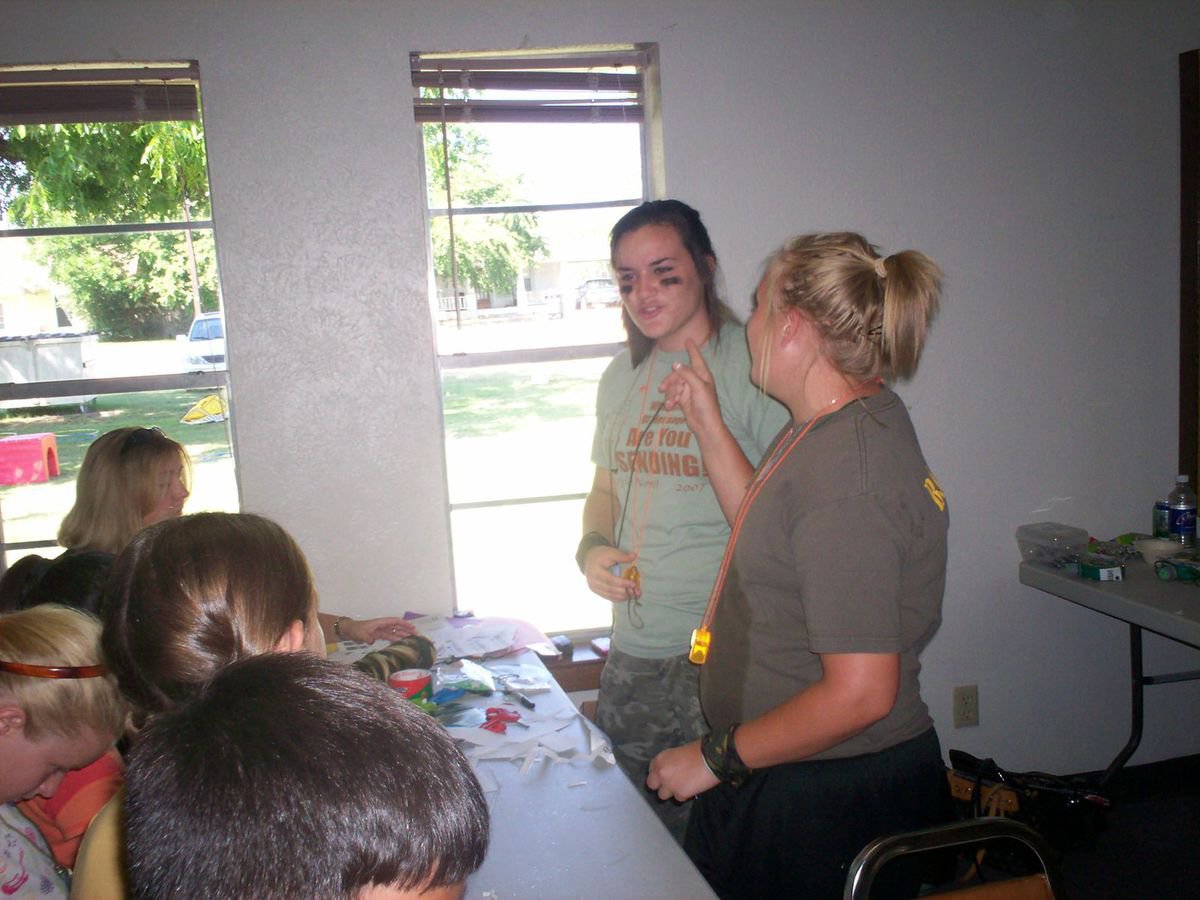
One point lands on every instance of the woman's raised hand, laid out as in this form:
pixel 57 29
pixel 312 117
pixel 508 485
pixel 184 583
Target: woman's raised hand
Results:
pixel 690 388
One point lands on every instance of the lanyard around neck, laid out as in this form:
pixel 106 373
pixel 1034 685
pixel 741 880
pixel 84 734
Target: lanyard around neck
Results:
pixel 702 636
pixel 629 507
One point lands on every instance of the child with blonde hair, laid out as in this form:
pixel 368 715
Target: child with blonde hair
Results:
pixel 59 711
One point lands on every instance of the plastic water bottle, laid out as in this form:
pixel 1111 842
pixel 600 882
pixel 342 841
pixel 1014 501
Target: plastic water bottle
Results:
pixel 1181 521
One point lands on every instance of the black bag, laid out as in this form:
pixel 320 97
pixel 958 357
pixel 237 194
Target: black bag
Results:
pixel 1068 813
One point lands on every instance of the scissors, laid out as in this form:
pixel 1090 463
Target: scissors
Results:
pixel 498 719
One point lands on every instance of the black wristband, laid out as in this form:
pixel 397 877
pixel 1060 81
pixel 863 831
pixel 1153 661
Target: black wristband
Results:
pixel 721 756
pixel 586 543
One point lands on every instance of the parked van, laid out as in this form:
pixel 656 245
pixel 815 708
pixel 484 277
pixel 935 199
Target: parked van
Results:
pixel 204 345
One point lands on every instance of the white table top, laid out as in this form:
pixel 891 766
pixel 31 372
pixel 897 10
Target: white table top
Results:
pixel 573 828
pixel 1169 608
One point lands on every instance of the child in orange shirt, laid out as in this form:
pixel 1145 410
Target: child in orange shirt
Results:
pixel 63 818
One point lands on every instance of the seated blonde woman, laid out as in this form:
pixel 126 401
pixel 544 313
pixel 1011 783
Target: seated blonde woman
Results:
pixel 130 478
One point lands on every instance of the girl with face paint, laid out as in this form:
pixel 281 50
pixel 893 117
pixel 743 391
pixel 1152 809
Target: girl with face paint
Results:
pixel 670 471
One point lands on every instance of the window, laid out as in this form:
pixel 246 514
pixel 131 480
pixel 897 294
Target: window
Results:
pixel 530 159
pixel 206 330
pixel 106 257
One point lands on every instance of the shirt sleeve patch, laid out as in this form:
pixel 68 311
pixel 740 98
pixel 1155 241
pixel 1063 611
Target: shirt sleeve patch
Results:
pixel 935 492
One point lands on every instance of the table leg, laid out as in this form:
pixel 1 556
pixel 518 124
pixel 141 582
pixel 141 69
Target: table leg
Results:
pixel 1136 680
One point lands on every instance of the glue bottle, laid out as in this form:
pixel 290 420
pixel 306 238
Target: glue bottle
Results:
pixel 1181 517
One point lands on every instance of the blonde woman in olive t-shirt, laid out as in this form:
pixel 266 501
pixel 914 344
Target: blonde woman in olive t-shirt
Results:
pixel 820 741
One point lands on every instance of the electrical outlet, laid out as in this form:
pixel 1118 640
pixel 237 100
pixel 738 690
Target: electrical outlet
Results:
pixel 966 705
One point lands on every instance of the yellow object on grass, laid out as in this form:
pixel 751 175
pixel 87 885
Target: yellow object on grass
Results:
pixel 207 409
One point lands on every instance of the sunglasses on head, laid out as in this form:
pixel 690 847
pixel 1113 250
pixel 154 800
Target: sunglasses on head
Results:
pixel 36 671
pixel 141 436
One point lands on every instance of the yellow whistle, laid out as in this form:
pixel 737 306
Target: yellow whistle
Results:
pixel 633 575
pixel 701 638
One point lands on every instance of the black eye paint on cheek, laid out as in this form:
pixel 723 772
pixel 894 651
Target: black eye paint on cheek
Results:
pixel 671 281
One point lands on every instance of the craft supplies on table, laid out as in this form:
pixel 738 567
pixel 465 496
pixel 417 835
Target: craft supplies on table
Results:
pixel 557 800
pixel 559 804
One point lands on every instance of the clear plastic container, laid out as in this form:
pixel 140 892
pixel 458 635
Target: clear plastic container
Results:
pixel 1181 513
pixel 1051 542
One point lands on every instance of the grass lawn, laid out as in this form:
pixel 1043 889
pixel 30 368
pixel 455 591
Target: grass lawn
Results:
pixel 75 430
pixel 512 432
pixel 520 431
pixel 494 400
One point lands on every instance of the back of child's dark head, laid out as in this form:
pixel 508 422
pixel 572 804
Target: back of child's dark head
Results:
pixel 292 776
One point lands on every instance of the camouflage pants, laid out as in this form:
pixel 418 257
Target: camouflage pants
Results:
pixel 646 706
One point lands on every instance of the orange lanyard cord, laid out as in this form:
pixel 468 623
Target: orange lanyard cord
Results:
pixel 640 521
pixel 756 486
pixel 702 636
pixel 630 494
pixel 636 484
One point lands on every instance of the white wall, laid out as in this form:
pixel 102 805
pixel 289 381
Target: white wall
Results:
pixel 1031 148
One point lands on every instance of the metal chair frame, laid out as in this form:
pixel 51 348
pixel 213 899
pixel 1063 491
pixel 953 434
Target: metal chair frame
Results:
pixel 875 855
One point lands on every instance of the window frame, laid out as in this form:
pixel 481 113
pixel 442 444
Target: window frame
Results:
pixel 101 92
pixel 480 70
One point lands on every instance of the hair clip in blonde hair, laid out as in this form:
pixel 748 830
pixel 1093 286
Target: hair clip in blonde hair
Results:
pixel 880 268
pixel 33 670
pixel 139 436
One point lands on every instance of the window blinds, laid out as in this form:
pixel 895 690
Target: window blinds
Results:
pixel 124 92
pixel 589 86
